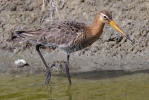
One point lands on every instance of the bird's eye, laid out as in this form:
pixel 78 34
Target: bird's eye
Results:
pixel 105 16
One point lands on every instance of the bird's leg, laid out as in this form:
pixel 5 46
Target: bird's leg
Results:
pixel 67 68
pixel 48 73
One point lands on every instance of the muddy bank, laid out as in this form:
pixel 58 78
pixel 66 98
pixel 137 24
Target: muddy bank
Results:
pixel 110 52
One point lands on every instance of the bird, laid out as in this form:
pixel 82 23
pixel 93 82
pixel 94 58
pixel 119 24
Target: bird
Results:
pixel 70 36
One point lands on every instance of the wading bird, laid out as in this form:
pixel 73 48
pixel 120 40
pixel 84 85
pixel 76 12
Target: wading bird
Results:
pixel 69 36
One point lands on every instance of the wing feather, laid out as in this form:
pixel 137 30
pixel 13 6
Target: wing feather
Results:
pixel 56 34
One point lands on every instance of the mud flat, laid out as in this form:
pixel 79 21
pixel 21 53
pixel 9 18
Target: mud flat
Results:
pixel 110 52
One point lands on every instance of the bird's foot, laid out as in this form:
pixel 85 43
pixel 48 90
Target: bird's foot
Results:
pixel 48 77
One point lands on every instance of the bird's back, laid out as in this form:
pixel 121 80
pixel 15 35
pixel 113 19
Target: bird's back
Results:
pixel 65 35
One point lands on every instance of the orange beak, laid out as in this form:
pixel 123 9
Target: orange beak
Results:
pixel 112 23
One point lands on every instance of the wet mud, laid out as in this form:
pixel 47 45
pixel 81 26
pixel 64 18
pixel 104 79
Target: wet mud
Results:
pixel 110 52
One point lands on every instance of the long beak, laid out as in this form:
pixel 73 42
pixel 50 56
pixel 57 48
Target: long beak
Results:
pixel 112 23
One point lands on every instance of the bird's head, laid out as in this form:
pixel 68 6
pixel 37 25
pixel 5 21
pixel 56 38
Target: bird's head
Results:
pixel 106 17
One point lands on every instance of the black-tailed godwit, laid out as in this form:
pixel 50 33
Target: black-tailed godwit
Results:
pixel 70 36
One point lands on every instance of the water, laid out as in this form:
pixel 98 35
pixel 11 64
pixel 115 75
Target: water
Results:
pixel 108 85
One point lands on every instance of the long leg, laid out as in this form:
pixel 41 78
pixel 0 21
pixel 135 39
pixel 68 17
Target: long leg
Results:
pixel 48 73
pixel 67 68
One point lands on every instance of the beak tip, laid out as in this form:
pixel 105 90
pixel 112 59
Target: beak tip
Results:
pixel 132 42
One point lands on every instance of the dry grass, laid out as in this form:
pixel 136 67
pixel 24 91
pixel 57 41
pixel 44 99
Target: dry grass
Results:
pixel 53 5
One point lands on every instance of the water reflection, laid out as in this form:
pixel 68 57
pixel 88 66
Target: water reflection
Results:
pixel 103 85
pixel 50 91
pixel 68 93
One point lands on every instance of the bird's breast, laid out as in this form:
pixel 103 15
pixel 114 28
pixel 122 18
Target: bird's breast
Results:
pixel 83 44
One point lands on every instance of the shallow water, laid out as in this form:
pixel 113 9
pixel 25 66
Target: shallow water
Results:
pixel 109 85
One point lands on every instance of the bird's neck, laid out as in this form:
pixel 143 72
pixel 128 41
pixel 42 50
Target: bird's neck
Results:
pixel 97 28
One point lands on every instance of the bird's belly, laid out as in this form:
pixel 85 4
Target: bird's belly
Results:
pixel 80 46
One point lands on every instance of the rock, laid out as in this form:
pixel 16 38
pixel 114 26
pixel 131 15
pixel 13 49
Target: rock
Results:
pixel 20 63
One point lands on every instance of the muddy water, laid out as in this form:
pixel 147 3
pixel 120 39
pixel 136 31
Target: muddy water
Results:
pixel 117 86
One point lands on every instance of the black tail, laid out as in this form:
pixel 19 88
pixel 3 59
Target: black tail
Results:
pixel 19 33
